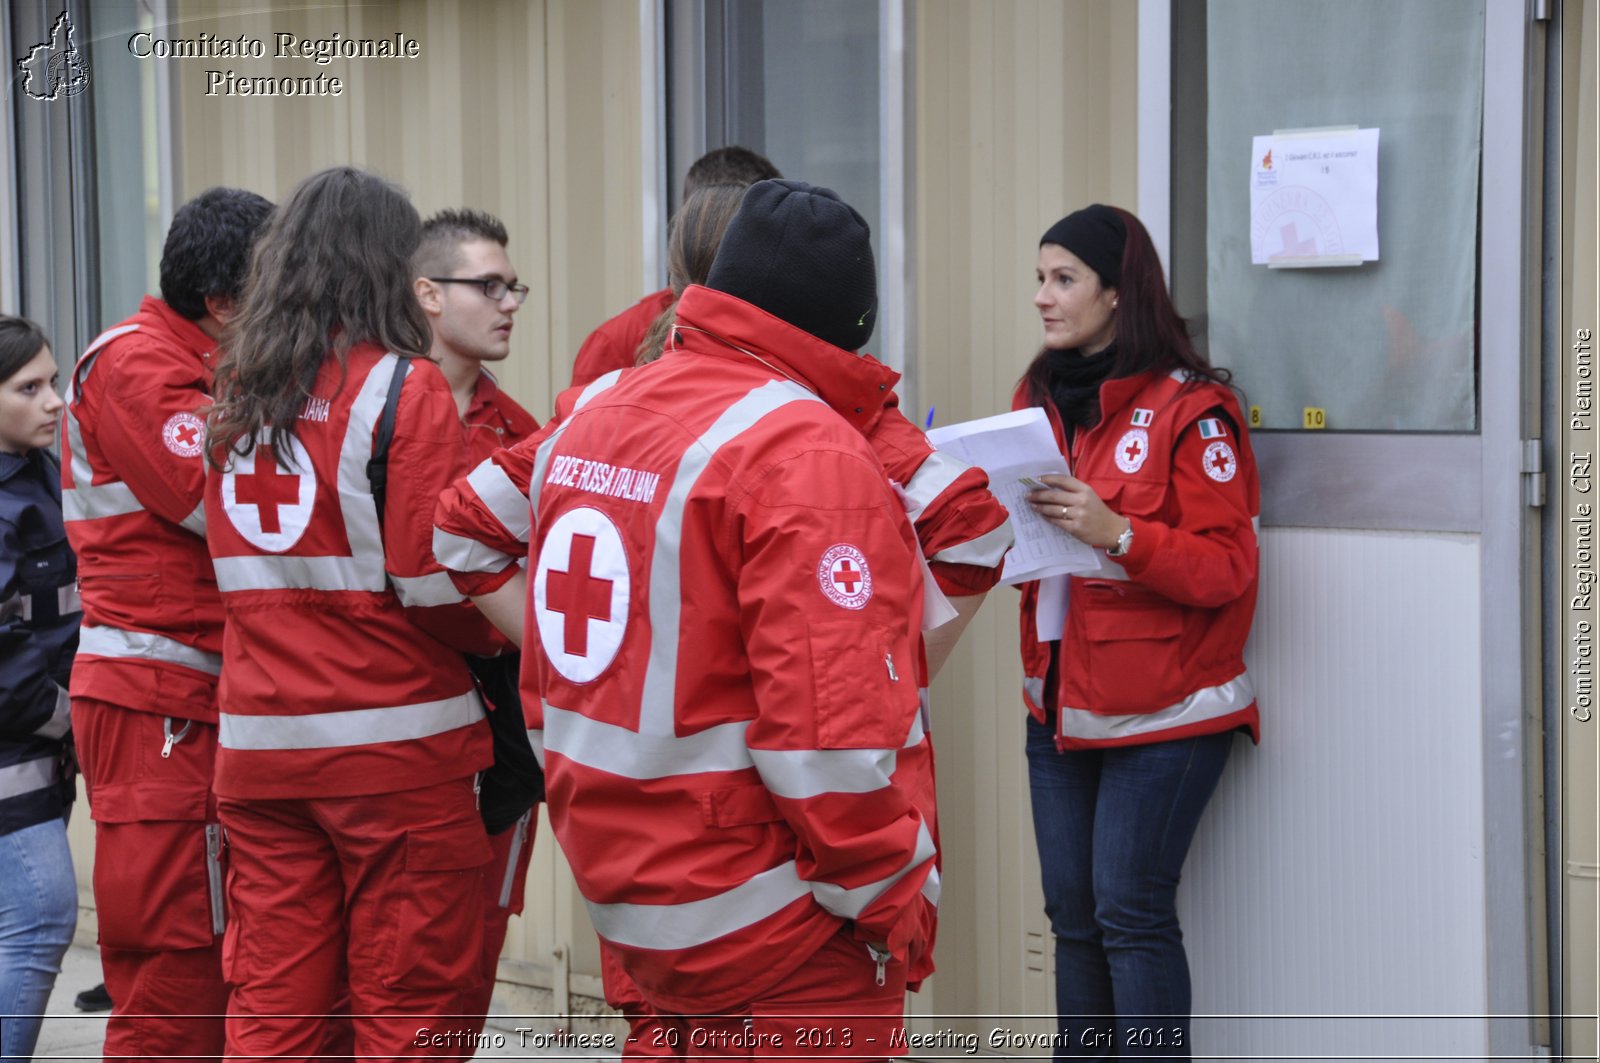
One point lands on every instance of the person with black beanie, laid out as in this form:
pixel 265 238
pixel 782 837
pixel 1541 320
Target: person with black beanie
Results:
pixel 723 654
pixel 1135 699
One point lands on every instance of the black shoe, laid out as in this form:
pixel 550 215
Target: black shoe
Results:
pixel 96 999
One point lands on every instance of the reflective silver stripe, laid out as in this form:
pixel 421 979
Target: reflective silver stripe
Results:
pixel 103 641
pixel 1033 687
pixel 932 886
pixel 1207 704
pixel 931 480
pixel 619 751
pixel 85 500
pixel 849 903
pixel 988 549
pixel 68 600
pixel 657 707
pixel 518 841
pixel 60 721
pixel 595 387
pixel 352 727
pixel 508 505
pixel 27 777
pixel 806 773
pixel 195 521
pixel 460 554
pixel 683 926
pixel 93 501
pixel 435 588
pixel 279 572
pixel 356 503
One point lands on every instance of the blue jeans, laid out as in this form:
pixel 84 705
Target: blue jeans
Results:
pixel 1113 827
pixel 38 913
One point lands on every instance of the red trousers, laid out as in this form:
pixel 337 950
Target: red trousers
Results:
pixel 379 894
pixel 505 881
pixel 830 1008
pixel 157 878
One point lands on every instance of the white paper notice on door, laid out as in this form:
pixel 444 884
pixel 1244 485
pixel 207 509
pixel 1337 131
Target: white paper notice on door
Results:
pixel 1314 198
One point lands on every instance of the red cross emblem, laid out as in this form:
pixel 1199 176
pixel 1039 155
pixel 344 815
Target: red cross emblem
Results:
pixel 1132 449
pixel 1219 462
pixel 267 488
pixel 582 594
pixel 844 576
pixel 184 434
pixel 578 596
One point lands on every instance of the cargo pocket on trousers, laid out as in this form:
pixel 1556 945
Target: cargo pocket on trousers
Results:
pixel 153 885
pixel 439 921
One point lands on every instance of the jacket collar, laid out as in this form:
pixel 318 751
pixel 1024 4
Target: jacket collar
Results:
pixel 189 333
pixel 855 386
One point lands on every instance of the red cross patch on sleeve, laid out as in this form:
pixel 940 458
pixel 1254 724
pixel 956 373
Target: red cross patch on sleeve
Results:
pixel 184 434
pixel 845 577
pixel 1220 462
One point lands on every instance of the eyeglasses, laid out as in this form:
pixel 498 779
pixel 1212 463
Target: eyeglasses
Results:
pixel 494 288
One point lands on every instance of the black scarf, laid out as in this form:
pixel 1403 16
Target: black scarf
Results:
pixel 1075 381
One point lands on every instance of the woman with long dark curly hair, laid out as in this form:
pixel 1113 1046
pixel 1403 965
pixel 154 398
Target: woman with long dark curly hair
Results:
pixel 350 732
pixel 1135 696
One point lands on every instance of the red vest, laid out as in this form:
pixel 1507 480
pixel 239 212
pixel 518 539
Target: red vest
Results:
pixel 1152 648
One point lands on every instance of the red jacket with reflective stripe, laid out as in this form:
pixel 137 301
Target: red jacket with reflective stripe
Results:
pixel 1153 644
pixel 133 475
pixel 342 657
pixel 722 648
pixel 615 343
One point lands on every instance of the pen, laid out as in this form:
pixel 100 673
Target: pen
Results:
pixel 930 418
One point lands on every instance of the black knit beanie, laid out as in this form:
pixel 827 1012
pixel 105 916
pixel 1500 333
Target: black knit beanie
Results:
pixel 802 254
pixel 1095 234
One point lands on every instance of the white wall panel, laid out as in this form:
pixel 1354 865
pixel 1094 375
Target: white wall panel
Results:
pixel 1339 870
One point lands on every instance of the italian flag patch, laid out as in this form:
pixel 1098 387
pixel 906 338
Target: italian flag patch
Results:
pixel 1211 428
pixel 1142 418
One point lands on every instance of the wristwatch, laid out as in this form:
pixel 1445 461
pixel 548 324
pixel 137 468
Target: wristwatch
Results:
pixel 1124 541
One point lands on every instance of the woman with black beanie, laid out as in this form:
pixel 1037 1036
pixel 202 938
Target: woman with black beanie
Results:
pixel 1135 697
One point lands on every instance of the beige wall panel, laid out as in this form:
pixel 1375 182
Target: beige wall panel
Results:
pixel 1580 741
pixel 1013 129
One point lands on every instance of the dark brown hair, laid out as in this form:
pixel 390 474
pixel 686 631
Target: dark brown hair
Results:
pixel 692 245
pixel 20 341
pixel 1150 334
pixel 332 270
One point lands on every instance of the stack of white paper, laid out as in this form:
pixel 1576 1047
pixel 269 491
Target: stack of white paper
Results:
pixel 1012 447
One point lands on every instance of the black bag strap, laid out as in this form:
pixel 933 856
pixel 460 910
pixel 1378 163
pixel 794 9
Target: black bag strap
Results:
pixel 378 467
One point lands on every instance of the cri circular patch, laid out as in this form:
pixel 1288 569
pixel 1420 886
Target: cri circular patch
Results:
pixel 845 577
pixel 184 434
pixel 1220 463
pixel 1133 448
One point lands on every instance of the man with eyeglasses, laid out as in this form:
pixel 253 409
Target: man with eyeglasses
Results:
pixel 468 288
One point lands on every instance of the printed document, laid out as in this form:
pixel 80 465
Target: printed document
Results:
pixel 1015 449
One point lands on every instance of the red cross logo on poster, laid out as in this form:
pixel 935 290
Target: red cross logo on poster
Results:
pixel 844 576
pixel 268 504
pixel 581 592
